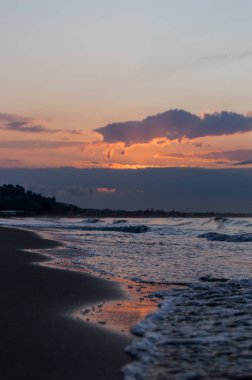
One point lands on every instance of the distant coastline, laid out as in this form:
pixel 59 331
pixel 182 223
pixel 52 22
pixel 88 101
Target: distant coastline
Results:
pixel 151 213
pixel 16 201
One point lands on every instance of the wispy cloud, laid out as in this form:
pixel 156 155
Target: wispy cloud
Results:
pixel 155 71
pixel 10 163
pixel 18 126
pixel 16 123
pixel 38 144
pixel 226 56
pixel 231 155
pixel 243 163
pixel 13 161
pixel 243 156
pixel 175 125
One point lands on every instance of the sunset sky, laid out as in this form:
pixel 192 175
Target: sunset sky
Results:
pixel 126 84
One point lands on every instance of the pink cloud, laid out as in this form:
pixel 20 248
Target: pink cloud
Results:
pixel 106 190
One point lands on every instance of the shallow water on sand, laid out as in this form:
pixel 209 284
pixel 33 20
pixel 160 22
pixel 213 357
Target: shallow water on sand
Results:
pixel 152 250
pixel 194 327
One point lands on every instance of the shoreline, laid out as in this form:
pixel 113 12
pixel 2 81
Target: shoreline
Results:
pixel 119 315
pixel 37 336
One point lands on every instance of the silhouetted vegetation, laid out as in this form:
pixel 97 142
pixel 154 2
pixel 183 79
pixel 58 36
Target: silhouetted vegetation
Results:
pixel 15 200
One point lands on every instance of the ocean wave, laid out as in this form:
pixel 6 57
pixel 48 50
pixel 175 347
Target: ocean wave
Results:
pixel 202 332
pixel 135 229
pixel 210 278
pixel 222 223
pixel 238 238
pixel 119 221
pixel 92 220
pixel 129 229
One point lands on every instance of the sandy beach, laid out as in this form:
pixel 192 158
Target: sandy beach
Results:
pixel 38 338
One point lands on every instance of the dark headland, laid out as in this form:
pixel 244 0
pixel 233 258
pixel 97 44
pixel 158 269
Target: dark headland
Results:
pixel 38 339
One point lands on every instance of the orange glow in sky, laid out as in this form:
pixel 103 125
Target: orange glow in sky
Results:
pixel 71 70
pixel 54 147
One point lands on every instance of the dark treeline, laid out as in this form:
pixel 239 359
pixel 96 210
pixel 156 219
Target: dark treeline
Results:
pixel 15 200
pixel 22 202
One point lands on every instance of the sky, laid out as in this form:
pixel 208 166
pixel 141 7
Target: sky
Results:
pixel 126 85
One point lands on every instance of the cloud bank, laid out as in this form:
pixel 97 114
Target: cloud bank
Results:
pixel 175 125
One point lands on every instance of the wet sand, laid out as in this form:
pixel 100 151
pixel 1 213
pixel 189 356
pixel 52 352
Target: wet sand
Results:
pixel 38 338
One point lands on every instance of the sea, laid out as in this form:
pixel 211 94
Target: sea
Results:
pixel 202 327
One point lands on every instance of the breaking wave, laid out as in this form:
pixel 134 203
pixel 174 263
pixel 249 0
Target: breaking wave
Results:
pixel 92 220
pixel 84 225
pixel 129 229
pixel 201 332
pixel 238 238
pixel 119 221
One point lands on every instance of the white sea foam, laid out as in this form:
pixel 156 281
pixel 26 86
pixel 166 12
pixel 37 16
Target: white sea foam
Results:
pixel 202 332
pixel 150 250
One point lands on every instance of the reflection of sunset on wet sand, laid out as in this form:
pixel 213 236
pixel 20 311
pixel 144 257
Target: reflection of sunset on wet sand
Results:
pixel 122 315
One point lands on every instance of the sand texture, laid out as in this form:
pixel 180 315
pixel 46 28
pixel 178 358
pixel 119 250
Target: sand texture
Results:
pixel 38 339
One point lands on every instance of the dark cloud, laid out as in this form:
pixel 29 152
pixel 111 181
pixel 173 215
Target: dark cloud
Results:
pixel 18 126
pixel 243 155
pixel 11 118
pixel 176 124
pixel 15 123
pixel 230 155
pixel 249 162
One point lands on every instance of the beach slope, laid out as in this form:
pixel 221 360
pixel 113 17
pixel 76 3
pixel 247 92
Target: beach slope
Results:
pixel 38 339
